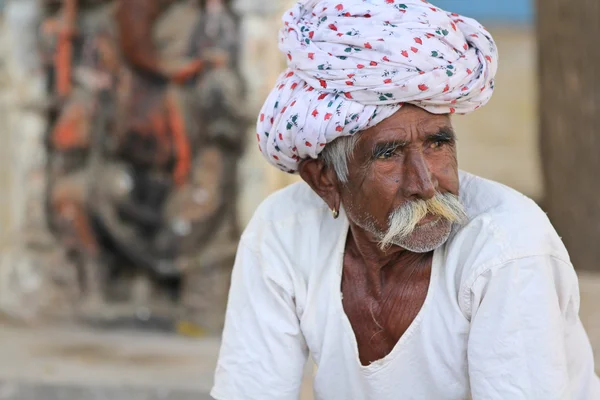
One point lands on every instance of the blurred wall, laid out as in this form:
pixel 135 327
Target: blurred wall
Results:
pixel 21 160
pixel 498 142
pixel 261 64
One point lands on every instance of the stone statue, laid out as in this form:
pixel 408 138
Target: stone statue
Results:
pixel 146 130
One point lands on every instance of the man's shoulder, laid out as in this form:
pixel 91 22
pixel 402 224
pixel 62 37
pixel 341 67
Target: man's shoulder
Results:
pixel 294 213
pixel 506 222
pixel 292 230
pixel 289 202
pixel 482 196
pixel 506 232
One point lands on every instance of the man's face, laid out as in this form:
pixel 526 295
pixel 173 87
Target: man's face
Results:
pixel 407 158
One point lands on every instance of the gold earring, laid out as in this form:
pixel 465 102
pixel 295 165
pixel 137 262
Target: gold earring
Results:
pixel 335 213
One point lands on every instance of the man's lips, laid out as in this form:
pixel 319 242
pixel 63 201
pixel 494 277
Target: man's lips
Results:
pixel 429 218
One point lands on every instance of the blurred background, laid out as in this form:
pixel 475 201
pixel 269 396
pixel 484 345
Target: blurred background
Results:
pixel 128 169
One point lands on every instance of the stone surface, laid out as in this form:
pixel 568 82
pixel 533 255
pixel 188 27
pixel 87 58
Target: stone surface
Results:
pixel 70 357
pixel 31 391
pixel 70 363
pixel 24 288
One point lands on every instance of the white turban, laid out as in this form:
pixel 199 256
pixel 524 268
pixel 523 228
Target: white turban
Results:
pixel 353 63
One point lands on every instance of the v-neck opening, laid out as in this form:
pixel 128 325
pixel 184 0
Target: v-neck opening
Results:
pixel 380 364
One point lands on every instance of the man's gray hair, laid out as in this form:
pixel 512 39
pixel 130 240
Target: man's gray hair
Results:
pixel 337 154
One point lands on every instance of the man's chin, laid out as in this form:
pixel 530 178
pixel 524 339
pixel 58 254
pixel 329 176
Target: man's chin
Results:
pixel 426 237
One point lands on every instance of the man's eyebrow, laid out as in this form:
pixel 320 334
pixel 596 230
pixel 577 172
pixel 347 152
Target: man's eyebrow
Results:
pixel 445 134
pixel 383 147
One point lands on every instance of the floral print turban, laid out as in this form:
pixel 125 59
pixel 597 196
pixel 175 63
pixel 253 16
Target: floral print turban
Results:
pixel 353 63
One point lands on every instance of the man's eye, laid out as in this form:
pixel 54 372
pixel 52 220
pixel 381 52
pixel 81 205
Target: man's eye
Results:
pixel 387 154
pixel 437 144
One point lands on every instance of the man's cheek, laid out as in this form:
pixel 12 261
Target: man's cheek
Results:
pixel 386 173
pixel 447 177
pixel 446 164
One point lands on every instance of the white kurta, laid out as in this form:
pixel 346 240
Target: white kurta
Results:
pixel 500 320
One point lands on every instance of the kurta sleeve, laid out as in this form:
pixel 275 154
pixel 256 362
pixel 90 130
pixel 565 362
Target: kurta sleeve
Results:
pixel 263 351
pixel 526 339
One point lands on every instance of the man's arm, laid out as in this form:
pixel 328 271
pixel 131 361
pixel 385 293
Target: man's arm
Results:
pixel 526 340
pixel 263 351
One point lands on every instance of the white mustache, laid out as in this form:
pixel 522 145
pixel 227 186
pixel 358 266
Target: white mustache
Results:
pixel 403 221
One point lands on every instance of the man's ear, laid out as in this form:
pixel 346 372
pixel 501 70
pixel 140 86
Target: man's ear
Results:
pixel 322 180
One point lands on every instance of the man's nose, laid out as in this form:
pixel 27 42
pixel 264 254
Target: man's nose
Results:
pixel 418 181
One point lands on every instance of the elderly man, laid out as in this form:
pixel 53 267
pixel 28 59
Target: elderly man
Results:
pixel 403 277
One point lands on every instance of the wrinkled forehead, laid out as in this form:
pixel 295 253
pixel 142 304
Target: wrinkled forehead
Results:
pixel 408 125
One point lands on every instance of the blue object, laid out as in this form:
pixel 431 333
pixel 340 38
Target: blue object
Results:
pixel 508 11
